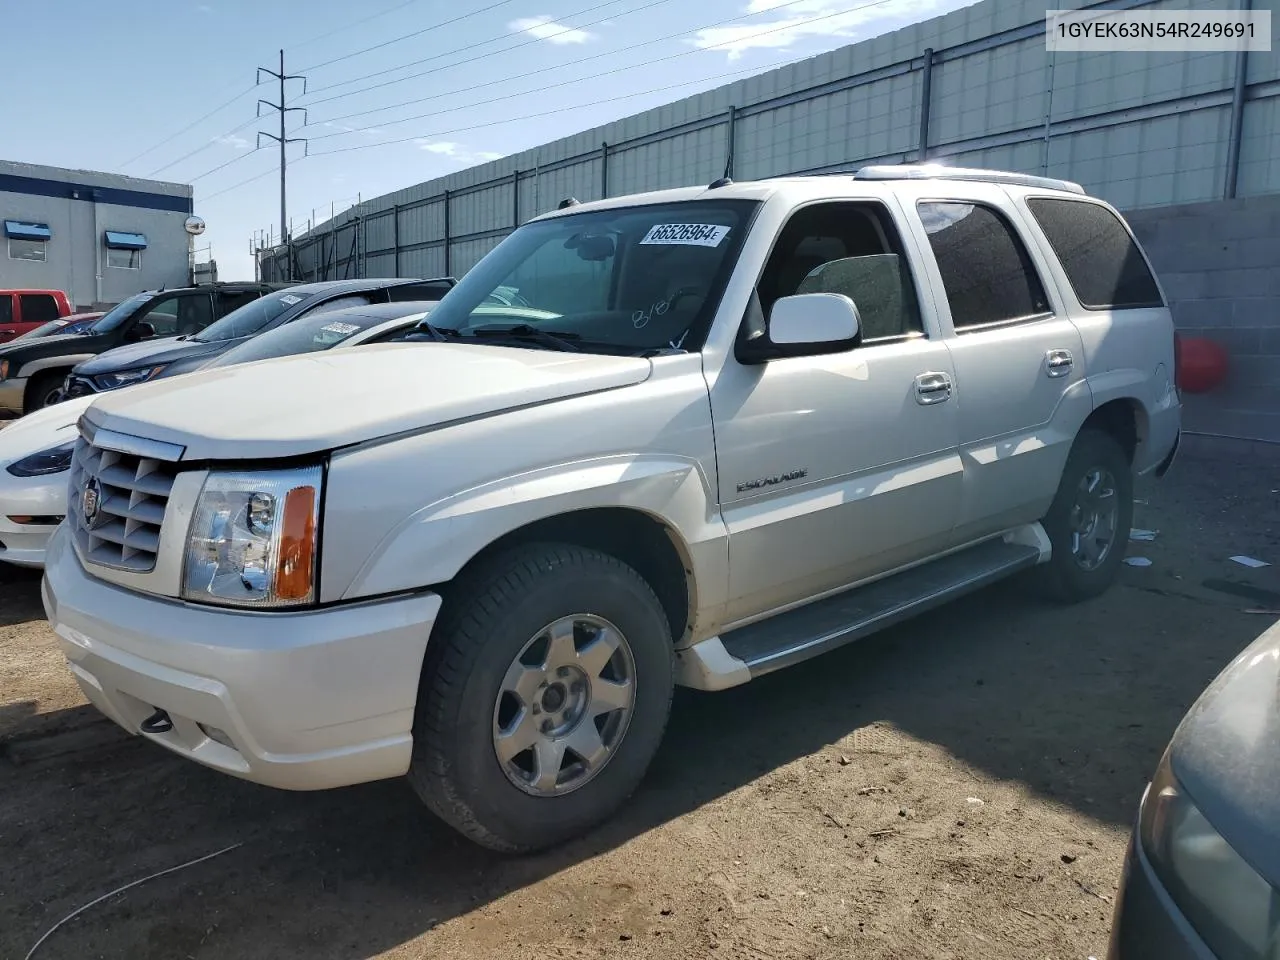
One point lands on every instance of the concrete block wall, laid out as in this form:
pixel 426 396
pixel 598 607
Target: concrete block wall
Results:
pixel 1219 263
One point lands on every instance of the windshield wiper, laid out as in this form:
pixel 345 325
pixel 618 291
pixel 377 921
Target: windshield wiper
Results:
pixel 525 331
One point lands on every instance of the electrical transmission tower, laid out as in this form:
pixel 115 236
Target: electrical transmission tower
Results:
pixel 283 140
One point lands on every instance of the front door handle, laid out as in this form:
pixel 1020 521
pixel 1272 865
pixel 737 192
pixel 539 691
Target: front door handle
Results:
pixel 932 388
pixel 1058 363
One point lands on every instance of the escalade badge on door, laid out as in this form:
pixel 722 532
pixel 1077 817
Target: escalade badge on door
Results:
pixel 772 481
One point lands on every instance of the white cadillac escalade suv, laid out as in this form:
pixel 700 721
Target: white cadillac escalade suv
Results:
pixel 685 437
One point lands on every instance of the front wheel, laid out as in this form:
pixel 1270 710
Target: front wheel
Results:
pixel 45 391
pixel 545 695
pixel 1089 519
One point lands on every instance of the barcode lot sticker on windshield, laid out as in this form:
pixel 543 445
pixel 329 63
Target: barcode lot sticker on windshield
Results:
pixel 336 327
pixel 688 234
pixel 290 299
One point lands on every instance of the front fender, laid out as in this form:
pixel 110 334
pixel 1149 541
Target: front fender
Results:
pixel 66 361
pixel 433 544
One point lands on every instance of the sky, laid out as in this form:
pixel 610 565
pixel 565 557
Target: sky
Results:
pixel 422 87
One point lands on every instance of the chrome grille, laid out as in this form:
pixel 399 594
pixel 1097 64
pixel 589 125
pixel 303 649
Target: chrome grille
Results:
pixel 117 504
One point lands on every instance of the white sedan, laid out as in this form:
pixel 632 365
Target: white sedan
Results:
pixel 35 450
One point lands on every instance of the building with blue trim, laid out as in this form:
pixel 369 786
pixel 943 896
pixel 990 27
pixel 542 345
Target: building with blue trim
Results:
pixel 100 237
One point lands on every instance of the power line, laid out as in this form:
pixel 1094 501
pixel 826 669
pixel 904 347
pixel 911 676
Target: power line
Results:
pixel 237 186
pixel 204 146
pixel 469 46
pixel 407 36
pixel 355 23
pixel 446 53
pixel 193 123
pixel 548 113
pixel 616 70
pixel 534 73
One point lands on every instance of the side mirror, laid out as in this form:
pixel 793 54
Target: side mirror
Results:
pixel 805 324
pixel 141 330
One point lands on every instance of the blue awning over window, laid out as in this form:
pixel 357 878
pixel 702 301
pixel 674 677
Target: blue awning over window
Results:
pixel 21 230
pixel 125 241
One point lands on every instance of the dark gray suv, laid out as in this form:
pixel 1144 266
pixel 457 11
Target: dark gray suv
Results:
pixel 140 362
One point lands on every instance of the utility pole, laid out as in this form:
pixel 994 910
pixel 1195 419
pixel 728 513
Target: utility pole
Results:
pixel 283 140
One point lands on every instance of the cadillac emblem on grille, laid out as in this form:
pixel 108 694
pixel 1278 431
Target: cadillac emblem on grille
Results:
pixel 91 501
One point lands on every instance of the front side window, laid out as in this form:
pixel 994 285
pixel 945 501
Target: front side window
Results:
pixel 124 259
pixel 182 316
pixel 1105 267
pixel 625 280
pixel 162 314
pixel 986 271
pixel 39 308
pixel 6 308
pixel 848 248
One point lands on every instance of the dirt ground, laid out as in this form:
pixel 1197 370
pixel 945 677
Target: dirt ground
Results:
pixel 962 786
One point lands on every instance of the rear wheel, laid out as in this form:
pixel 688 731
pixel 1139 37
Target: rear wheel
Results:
pixel 544 697
pixel 1088 522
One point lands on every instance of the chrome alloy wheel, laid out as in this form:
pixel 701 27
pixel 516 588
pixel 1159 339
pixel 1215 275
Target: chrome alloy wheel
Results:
pixel 1094 515
pixel 564 705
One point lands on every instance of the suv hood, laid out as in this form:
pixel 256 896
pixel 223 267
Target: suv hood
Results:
pixel 1226 753
pixel 292 406
pixel 143 354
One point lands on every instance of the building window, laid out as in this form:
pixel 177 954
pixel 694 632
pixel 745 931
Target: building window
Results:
pixel 124 259
pixel 124 250
pixel 27 241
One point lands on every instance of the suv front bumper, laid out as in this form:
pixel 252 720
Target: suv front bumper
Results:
pixel 13 392
pixel 302 700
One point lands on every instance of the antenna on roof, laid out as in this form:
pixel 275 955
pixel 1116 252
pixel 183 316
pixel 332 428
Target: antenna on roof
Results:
pixel 567 202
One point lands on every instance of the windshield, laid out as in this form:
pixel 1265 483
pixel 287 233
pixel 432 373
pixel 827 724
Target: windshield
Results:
pixel 119 313
pixel 631 279
pixel 308 334
pixel 252 317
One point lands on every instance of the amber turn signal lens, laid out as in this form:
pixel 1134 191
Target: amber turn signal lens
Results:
pixel 294 572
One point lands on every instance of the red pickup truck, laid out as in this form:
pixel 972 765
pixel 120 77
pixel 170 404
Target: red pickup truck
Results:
pixel 21 311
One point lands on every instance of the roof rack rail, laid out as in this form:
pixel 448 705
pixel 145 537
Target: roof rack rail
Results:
pixel 937 171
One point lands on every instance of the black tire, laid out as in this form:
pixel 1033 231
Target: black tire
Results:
pixel 1064 578
pixel 488 619
pixel 44 390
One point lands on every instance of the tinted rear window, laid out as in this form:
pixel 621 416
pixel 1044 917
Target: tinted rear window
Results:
pixel 39 308
pixel 1104 265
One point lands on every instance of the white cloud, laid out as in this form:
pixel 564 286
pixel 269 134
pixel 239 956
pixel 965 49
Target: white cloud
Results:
pixel 458 152
pixel 545 28
pixel 812 18
pixel 231 140
pixel 444 147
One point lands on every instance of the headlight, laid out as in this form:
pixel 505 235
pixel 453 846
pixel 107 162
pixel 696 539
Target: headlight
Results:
pixel 1234 910
pixel 253 537
pixel 110 381
pixel 53 460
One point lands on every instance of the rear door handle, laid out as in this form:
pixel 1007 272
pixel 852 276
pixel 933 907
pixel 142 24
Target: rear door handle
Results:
pixel 1058 363
pixel 932 388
